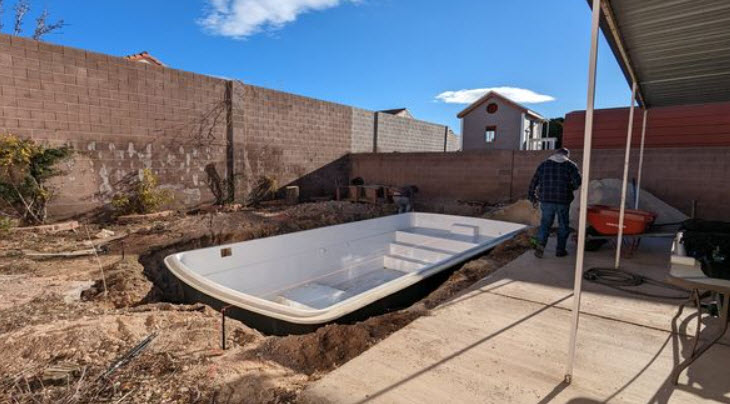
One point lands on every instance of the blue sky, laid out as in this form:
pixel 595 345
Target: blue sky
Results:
pixel 374 54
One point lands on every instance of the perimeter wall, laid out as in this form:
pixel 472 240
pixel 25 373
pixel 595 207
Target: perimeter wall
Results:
pixel 676 175
pixel 122 116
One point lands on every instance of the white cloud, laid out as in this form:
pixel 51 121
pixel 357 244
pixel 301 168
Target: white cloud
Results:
pixel 519 95
pixel 242 18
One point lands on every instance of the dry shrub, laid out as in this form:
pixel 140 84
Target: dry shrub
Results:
pixel 265 189
pixel 144 196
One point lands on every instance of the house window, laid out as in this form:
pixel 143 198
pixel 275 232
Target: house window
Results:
pixel 492 108
pixel 490 133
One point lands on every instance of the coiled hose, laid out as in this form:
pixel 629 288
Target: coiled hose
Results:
pixel 624 280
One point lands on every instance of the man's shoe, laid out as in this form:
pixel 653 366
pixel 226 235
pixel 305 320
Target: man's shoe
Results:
pixel 539 250
pixel 562 253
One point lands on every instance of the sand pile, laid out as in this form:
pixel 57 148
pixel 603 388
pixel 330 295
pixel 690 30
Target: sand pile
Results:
pixel 608 192
pixel 518 212
pixel 600 192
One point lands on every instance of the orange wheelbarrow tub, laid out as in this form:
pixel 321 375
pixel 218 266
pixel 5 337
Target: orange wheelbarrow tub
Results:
pixel 604 219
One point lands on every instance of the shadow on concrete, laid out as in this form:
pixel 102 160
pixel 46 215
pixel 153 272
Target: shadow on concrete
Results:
pixel 460 352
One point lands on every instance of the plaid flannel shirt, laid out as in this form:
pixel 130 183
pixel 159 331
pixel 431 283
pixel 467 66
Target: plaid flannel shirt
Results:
pixel 554 182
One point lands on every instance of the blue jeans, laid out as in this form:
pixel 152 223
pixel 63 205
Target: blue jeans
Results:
pixel 549 211
pixel 403 203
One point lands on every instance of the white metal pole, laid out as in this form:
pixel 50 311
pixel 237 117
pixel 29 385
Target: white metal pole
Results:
pixel 624 184
pixel 641 158
pixel 587 140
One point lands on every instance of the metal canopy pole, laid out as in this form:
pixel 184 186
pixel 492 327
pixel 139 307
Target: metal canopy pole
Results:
pixel 641 158
pixel 587 140
pixel 624 184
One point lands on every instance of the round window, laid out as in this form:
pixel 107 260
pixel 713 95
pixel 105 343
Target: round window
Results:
pixel 492 108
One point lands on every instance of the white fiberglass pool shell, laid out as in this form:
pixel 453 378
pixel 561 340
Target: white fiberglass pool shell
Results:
pixel 316 276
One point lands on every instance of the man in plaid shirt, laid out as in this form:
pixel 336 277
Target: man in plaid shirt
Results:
pixel 552 185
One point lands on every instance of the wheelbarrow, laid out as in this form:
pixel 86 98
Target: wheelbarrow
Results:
pixel 603 226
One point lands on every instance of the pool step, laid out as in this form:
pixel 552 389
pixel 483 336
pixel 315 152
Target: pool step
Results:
pixel 403 264
pixel 368 281
pixel 419 253
pixel 433 242
pixel 311 296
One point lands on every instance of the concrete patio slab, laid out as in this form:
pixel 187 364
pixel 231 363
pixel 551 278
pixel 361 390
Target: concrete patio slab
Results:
pixel 507 341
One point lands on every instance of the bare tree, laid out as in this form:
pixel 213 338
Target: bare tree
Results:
pixel 21 9
pixel 42 27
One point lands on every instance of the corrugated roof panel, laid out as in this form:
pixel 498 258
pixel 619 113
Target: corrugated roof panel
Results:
pixel 678 49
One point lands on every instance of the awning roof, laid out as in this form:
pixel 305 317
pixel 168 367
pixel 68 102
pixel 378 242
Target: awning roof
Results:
pixel 677 50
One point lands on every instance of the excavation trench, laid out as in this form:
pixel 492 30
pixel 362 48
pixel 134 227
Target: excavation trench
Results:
pixel 168 288
pixel 144 298
pixel 331 345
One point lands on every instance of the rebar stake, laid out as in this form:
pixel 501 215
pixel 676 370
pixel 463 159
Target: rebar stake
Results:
pixel 223 326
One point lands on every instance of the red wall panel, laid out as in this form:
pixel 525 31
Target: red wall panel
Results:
pixel 706 125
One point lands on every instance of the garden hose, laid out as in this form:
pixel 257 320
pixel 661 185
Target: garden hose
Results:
pixel 624 281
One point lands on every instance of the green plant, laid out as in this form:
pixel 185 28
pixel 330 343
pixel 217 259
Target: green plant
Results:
pixel 25 167
pixel 144 196
pixel 6 224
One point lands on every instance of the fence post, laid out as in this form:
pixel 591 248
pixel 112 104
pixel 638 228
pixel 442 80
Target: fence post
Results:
pixel 375 132
pixel 446 138
pixel 229 141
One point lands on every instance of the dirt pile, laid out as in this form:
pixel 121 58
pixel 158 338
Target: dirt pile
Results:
pixel 126 284
pixel 521 211
pixel 334 344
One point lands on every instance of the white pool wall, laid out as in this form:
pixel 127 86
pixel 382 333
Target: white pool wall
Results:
pixel 250 274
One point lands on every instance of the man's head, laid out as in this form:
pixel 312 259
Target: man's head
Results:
pixel 563 151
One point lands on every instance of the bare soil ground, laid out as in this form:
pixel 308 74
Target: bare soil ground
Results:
pixel 60 335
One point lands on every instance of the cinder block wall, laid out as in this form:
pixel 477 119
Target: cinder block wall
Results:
pixel 484 176
pixel 118 115
pixel 295 139
pixel 401 134
pixel 677 176
pixel 453 143
pixel 363 129
pixel 122 116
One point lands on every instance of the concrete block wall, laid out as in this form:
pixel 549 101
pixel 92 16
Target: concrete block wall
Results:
pixel 122 116
pixel 453 143
pixel 119 116
pixel 676 175
pixel 464 175
pixel 390 133
pixel 395 133
pixel 295 139
pixel 363 130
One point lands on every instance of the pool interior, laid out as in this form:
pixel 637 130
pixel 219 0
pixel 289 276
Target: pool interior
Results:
pixel 396 254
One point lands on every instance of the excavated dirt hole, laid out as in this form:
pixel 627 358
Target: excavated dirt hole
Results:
pixel 143 298
pixel 332 345
pixel 167 288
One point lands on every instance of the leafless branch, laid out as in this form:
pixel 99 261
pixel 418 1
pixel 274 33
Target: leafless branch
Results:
pixel 21 9
pixel 42 27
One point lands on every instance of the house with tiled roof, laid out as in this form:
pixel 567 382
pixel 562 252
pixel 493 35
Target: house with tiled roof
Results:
pixel 144 57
